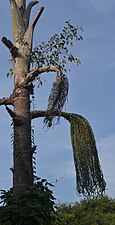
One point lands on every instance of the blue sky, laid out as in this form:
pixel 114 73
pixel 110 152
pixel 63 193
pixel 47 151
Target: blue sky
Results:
pixel 91 93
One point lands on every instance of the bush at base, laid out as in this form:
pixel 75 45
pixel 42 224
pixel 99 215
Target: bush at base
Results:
pixel 35 206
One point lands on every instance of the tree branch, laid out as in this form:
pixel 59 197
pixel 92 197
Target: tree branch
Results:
pixel 10 46
pixel 6 101
pixel 18 120
pixel 34 73
pixel 28 11
pixel 11 113
pixel 35 20
pixel 28 36
pixel 43 113
pixel 18 27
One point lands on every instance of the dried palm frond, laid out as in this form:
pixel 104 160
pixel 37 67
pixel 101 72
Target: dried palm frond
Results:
pixel 57 96
pixel 89 177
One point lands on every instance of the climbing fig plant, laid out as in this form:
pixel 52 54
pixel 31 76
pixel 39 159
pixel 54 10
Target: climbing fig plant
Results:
pixel 28 65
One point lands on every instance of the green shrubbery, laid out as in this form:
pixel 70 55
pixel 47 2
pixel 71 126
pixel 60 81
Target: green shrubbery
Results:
pixel 34 206
pixel 100 211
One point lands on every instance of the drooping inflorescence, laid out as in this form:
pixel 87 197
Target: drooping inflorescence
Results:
pixel 89 176
pixel 57 96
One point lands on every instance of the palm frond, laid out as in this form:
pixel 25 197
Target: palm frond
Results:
pixel 57 97
pixel 89 176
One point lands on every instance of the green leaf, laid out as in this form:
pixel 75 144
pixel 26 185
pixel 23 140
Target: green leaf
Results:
pixel 11 72
pixel 63 61
pixel 78 61
pixel 71 44
pixel 70 58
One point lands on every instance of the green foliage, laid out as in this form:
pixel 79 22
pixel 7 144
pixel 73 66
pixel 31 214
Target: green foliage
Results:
pixel 34 206
pixel 100 211
pixel 89 177
pixel 56 50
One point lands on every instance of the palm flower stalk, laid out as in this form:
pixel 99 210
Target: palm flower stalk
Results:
pixel 57 97
pixel 89 176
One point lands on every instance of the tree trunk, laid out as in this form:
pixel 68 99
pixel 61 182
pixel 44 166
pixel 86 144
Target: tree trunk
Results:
pixel 23 172
pixel 21 50
pixel 22 154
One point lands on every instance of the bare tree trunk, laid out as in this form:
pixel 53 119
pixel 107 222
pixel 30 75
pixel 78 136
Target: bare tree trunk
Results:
pixel 23 35
pixel 23 172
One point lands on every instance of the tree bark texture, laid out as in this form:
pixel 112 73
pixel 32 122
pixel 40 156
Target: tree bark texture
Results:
pixel 22 157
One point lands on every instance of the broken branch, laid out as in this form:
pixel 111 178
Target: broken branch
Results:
pixel 11 113
pixel 18 120
pixel 10 46
pixel 6 101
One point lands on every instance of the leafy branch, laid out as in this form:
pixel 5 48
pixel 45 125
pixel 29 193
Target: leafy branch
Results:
pixel 55 51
